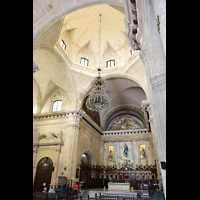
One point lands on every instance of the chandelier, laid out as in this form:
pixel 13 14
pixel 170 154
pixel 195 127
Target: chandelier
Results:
pixel 98 99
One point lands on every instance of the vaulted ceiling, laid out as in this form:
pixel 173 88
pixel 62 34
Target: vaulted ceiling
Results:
pixel 60 69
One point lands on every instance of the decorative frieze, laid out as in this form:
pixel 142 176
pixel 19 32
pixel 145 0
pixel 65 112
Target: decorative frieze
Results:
pixel 125 132
pixel 55 115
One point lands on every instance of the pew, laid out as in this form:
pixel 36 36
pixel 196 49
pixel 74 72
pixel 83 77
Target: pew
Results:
pixel 53 196
pixel 39 196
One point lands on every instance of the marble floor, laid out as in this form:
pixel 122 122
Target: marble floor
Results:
pixel 92 192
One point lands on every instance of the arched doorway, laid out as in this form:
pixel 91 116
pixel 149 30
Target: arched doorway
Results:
pixel 43 174
pixel 89 175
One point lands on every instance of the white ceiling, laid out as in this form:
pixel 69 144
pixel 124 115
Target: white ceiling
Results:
pixel 61 69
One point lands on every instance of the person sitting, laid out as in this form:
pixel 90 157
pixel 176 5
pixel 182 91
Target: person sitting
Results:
pixel 51 190
pixel 45 190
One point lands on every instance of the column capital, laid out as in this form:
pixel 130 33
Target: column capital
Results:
pixel 145 104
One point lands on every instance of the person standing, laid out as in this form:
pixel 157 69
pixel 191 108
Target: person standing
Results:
pixel 64 188
pixel 75 190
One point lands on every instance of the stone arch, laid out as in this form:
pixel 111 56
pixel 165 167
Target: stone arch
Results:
pixel 48 12
pixel 85 93
pixel 90 157
pixel 43 173
pixel 122 109
pixel 49 60
pixel 36 96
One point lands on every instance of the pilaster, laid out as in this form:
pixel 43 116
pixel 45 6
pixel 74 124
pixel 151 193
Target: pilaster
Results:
pixel 154 58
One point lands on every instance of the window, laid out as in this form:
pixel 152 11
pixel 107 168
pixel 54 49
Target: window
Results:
pixel 84 61
pixel 110 63
pixel 57 105
pixel 84 160
pixel 63 45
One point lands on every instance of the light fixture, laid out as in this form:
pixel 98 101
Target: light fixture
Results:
pixel 98 99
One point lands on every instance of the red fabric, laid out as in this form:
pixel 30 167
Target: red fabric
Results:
pixel 75 187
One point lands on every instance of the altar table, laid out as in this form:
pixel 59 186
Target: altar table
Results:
pixel 118 186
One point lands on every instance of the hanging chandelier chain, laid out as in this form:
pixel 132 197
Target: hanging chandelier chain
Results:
pixel 99 42
pixel 98 99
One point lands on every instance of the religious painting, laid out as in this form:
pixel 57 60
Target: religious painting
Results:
pixel 124 122
pixel 142 151
pixel 110 152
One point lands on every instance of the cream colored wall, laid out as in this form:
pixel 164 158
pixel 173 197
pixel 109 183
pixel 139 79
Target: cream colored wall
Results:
pixel 77 136
pixel 89 142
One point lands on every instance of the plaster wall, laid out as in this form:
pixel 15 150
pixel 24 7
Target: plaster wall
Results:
pixel 77 137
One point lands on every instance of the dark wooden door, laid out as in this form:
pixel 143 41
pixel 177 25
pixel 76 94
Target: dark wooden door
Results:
pixel 43 174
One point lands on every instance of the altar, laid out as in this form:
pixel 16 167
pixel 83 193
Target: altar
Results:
pixel 118 186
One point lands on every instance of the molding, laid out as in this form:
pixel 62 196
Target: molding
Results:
pixel 159 81
pixel 85 118
pixel 125 132
pixel 48 140
pixel 126 135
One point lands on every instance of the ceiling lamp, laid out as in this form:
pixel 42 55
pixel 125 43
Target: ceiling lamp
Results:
pixel 98 99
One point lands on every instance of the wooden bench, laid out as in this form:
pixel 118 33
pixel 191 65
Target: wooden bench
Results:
pixel 39 196
pixel 52 196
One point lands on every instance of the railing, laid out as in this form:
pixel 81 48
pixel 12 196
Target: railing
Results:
pixel 126 132
pixel 115 197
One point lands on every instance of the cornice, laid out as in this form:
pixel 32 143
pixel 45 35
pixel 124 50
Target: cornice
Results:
pixel 136 133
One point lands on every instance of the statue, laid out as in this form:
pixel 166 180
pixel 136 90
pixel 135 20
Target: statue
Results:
pixel 111 154
pixel 125 150
pixel 143 153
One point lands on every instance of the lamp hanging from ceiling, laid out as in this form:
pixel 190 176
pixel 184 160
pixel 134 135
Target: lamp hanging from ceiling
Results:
pixel 98 99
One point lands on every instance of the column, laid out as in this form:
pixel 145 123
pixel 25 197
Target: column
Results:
pixel 118 155
pixel 133 152
pixel 68 155
pixel 159 177
pixel 153 56
pixel 74 128
pixel 102 152
pixel 54 178
pixel 35 150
